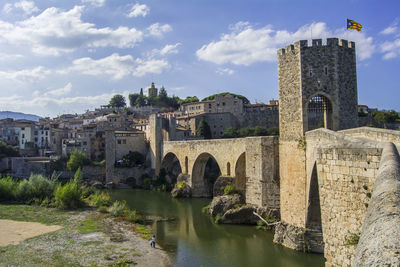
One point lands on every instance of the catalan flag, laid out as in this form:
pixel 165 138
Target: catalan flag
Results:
pixel 353 25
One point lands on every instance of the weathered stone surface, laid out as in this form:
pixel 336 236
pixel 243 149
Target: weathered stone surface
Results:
pixel 379 244
pixel 98 185
pixel 220 184
pixel 240 215
pixel 289 236
pixel 222 204
pixel 181 190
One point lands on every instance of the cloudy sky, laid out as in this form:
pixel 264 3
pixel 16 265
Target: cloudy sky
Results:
pixel 68 56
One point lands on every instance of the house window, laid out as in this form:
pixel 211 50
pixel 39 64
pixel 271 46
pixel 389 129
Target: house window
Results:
pixel 223 103
pixel 119 141
pixel 326 70
pixel 124 141
pixel 23 135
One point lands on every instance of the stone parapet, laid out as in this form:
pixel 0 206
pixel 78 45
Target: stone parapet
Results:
pixel 379 244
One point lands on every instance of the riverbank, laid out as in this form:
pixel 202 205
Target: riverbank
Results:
pixel 87 238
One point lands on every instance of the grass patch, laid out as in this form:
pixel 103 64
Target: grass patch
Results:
pixel 89 226
pixel 144 231
pixel 91 243
pixel 27 213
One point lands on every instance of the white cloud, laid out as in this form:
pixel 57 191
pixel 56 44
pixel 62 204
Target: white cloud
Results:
pixel 158 30
pixel 7 8
pixel 166 50
pixel 6 56
pixel 155 66
pixel 389 30
pixel 26 75
pixel 223 71
pixel 58 92
pixel 55 31
pixel 391 49
pixel 117 66
pixel 96 3
pixel 28 7
pixel 170 49
pixel 178 89
pixel 139 10
pixel 114 65
pixel 246 45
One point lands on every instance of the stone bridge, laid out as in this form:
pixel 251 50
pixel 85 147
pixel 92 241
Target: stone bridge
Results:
pixel 341 168
pixel 252 161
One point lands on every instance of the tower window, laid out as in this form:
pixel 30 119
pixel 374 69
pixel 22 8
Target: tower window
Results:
pixel 311 73
pixel 326 70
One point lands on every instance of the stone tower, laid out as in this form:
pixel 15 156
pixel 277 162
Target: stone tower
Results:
pixel 152 91
pixel 317 88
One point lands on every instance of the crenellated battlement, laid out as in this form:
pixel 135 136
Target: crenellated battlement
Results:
pixel 330 42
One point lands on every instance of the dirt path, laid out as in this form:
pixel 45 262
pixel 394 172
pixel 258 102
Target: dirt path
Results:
pixel 13 232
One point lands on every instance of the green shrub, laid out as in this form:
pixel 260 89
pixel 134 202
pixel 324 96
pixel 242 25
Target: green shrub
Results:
pixel 69 196
pixel 229 189
pixel 206 209
pixel 78 177
pixel 130 215
pixel 352 239
pixel 7 188
pixel 117 208
pixel 102 209
pixel 99 199
pixel 36 189
pixel 76 160
pixel 218 218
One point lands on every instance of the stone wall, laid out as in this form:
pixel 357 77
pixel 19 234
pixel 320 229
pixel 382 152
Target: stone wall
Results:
pixel 262 171
pixel 377 134
pixel 346 169
pixel 379 244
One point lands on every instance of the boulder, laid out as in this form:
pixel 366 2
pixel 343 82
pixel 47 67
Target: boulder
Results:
pixel 182 177
pixel 110 185
pixel 181 190
pixel 98 185
pixel 220 184
pixel 222 204
pixel 240 215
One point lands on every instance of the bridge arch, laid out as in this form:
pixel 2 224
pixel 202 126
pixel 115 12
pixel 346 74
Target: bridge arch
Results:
pixel 170 167
pixel 313 212
pixel 204 173
pixel 240 174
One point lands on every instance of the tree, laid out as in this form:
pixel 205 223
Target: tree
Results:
pixel 212 97
pixel 140 101
pixel 230 133
pixel 203 129
pixel 132 99
pixel 118 101
pixel 188 99
pixel 163 94
pixel 7 150
pixel 76 160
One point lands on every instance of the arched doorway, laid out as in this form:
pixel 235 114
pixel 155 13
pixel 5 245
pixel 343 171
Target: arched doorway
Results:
pixel 240 175
pixel 170 168
pixel 313 217
pixel 205 172
pixel 319 113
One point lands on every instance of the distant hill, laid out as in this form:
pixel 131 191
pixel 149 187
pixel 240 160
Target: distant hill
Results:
pixel 18 116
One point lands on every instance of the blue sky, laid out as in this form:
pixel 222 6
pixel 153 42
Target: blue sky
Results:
pixel 68 56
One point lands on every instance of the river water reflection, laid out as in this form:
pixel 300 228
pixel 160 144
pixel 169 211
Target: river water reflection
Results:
pixel 194 240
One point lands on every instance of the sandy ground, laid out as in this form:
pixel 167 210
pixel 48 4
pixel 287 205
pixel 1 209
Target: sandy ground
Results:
pixel 13 232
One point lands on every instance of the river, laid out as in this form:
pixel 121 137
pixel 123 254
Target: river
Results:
pixel 194 240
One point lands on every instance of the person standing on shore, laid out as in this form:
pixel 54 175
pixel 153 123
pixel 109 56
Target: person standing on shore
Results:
pixel 153 242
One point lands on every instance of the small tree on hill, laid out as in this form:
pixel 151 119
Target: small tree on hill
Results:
pixel 118 101
pixel 132 99
pixel 203 129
